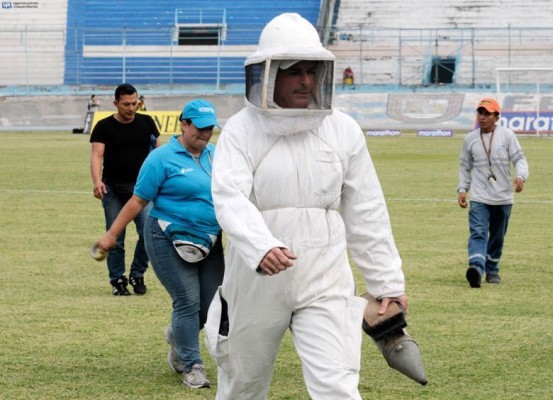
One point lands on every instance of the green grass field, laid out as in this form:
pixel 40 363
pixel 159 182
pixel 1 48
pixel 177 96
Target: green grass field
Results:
pixel 64 336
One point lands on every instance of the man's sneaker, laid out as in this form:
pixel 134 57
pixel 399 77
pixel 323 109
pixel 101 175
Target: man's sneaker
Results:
pixel 474 277
pixel 119 287
pixel 493 278
pixel 137 284
pixel 172 357
pixel 196 378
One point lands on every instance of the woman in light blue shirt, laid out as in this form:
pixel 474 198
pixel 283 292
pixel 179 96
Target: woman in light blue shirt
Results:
pixel 182 236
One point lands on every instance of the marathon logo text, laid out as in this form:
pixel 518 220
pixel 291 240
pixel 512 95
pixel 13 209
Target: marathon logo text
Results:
pixel 527 121
pixel 383 132
pixel 434 133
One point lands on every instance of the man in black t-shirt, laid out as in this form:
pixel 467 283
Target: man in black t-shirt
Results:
pixel 120 143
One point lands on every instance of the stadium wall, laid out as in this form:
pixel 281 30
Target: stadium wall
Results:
pixel 440 112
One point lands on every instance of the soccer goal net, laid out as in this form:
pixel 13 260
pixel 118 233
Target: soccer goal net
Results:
pixel 527 96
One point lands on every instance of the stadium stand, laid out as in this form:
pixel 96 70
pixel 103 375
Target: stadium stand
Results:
pixel 31 49
pixel 86 43
pixel 416 14
pixel 405 43
pixel 167 41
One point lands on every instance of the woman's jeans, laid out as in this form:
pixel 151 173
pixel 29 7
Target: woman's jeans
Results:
pixel 190 285
pixel 488 226
pixel 112 204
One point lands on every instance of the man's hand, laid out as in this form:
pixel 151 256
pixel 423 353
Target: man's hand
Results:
pixel 462 199
pixel 518 184
pixel 385 301
pixel 99 190
pixel 277 260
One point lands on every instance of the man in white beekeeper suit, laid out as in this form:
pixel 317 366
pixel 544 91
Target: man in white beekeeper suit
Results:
pixel 294 188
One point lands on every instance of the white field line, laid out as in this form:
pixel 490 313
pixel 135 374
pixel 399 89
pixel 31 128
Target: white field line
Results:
pixel 389 199
pixel 45 191
pixel 454 200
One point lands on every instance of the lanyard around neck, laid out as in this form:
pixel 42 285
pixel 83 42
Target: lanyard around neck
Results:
pixel 486 150
pixel 198 162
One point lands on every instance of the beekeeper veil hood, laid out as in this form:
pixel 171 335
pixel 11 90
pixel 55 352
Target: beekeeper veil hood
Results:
pixel 286 40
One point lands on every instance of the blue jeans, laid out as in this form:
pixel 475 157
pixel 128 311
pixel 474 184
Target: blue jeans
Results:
pixel 488 226
pixel 190 285
pixel 113 203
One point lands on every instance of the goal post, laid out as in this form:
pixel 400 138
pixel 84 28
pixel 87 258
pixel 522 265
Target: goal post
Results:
pixel 522 79
pixel 534 85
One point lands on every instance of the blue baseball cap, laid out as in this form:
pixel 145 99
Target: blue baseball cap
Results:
pixel 201 112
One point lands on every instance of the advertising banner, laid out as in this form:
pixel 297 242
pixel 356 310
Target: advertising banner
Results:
pixel 527 121
pixel 167 121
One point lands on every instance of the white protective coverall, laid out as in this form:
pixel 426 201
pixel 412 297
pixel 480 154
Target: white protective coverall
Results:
pixel 300 179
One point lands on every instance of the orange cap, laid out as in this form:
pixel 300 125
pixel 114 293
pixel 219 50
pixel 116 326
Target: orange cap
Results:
pixel 490 105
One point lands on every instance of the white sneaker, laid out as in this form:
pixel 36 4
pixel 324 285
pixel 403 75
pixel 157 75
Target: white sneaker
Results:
pixel 196 378
pixel 172 357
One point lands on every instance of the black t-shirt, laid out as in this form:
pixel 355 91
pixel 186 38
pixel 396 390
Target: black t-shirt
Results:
pixel 127 146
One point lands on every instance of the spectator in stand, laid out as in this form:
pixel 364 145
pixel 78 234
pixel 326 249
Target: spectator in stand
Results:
pixel 347 77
